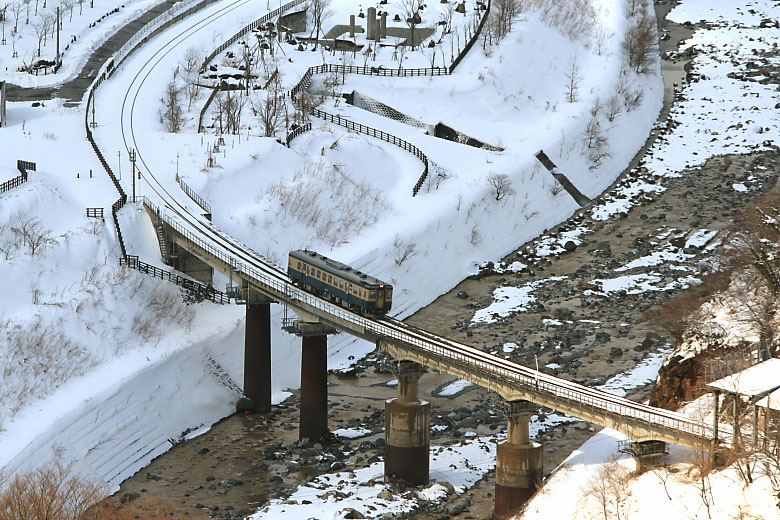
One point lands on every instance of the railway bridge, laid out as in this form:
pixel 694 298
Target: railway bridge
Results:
pixel 519 466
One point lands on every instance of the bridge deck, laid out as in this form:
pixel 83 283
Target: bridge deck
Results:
pixel 511 380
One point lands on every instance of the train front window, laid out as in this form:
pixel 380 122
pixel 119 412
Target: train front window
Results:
pixel 372 294
pixel 299 266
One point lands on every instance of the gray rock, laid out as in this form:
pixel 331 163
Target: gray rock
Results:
pixel 615 352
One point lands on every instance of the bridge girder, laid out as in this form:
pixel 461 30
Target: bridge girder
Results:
pixel 636 430
pixel 633 429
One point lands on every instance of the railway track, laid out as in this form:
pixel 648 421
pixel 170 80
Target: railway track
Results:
pixel 429 348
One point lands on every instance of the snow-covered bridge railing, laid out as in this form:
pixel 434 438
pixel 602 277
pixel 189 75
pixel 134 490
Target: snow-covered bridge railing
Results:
pixel 379 134
pixel 200 201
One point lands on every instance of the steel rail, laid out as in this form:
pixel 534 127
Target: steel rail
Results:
pixel 272 280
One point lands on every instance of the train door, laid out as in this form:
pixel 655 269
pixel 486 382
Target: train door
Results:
pixel 380 299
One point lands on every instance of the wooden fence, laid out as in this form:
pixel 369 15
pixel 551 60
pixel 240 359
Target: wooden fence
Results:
pixel 23 167
pixel 379 134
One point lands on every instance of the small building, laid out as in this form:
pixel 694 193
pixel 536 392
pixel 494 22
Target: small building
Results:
pixel 749 391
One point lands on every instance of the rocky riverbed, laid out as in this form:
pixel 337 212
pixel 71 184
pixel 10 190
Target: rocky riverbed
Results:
pixel 574 301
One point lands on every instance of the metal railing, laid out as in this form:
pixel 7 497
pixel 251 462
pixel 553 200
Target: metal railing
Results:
pixel 198 289
pixel 200 201
pixel 95 213
pixel 379 134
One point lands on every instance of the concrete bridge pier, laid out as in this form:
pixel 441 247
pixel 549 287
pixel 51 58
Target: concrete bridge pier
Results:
pixel 314 380
pixel 407 428
pixel 257 356
pixel 519 461
pixel 193 266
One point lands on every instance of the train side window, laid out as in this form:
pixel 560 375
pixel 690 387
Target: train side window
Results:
pixel 330 279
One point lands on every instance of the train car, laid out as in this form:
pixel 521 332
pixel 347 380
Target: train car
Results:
pixel 339 282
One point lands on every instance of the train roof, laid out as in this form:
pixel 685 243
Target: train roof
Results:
pixel 334 266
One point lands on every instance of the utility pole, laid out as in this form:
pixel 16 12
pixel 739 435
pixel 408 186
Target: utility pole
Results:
pixel 119 162
pixel 132 171
pixel 177 166
pixel 57 61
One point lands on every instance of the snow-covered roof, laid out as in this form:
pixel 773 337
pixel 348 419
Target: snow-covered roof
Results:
pixel 771 401
pixel 758 379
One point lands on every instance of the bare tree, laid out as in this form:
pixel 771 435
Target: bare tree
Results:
pixel 639 42
pixel 51 492
pixel 609 488
pixel 231 107
pixel 573 77
pixel 269 111
pixel 319 11
pixel 4 17
pixel 410 11
pixel 171 113
pixel 430 54
pixel 247 61
pixel 504 12
pixel 403 250
pixel 446 17
pixel 193 57
pixel 613 108
pixel 304 102
pixel 69 5
pixel 17 8
pixel 31 232
pixel 602 37
pixel 501 184
pixel 41 28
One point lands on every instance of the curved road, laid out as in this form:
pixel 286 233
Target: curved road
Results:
pixel 73 90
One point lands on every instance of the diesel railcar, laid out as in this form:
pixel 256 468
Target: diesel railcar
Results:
pixel 339 282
